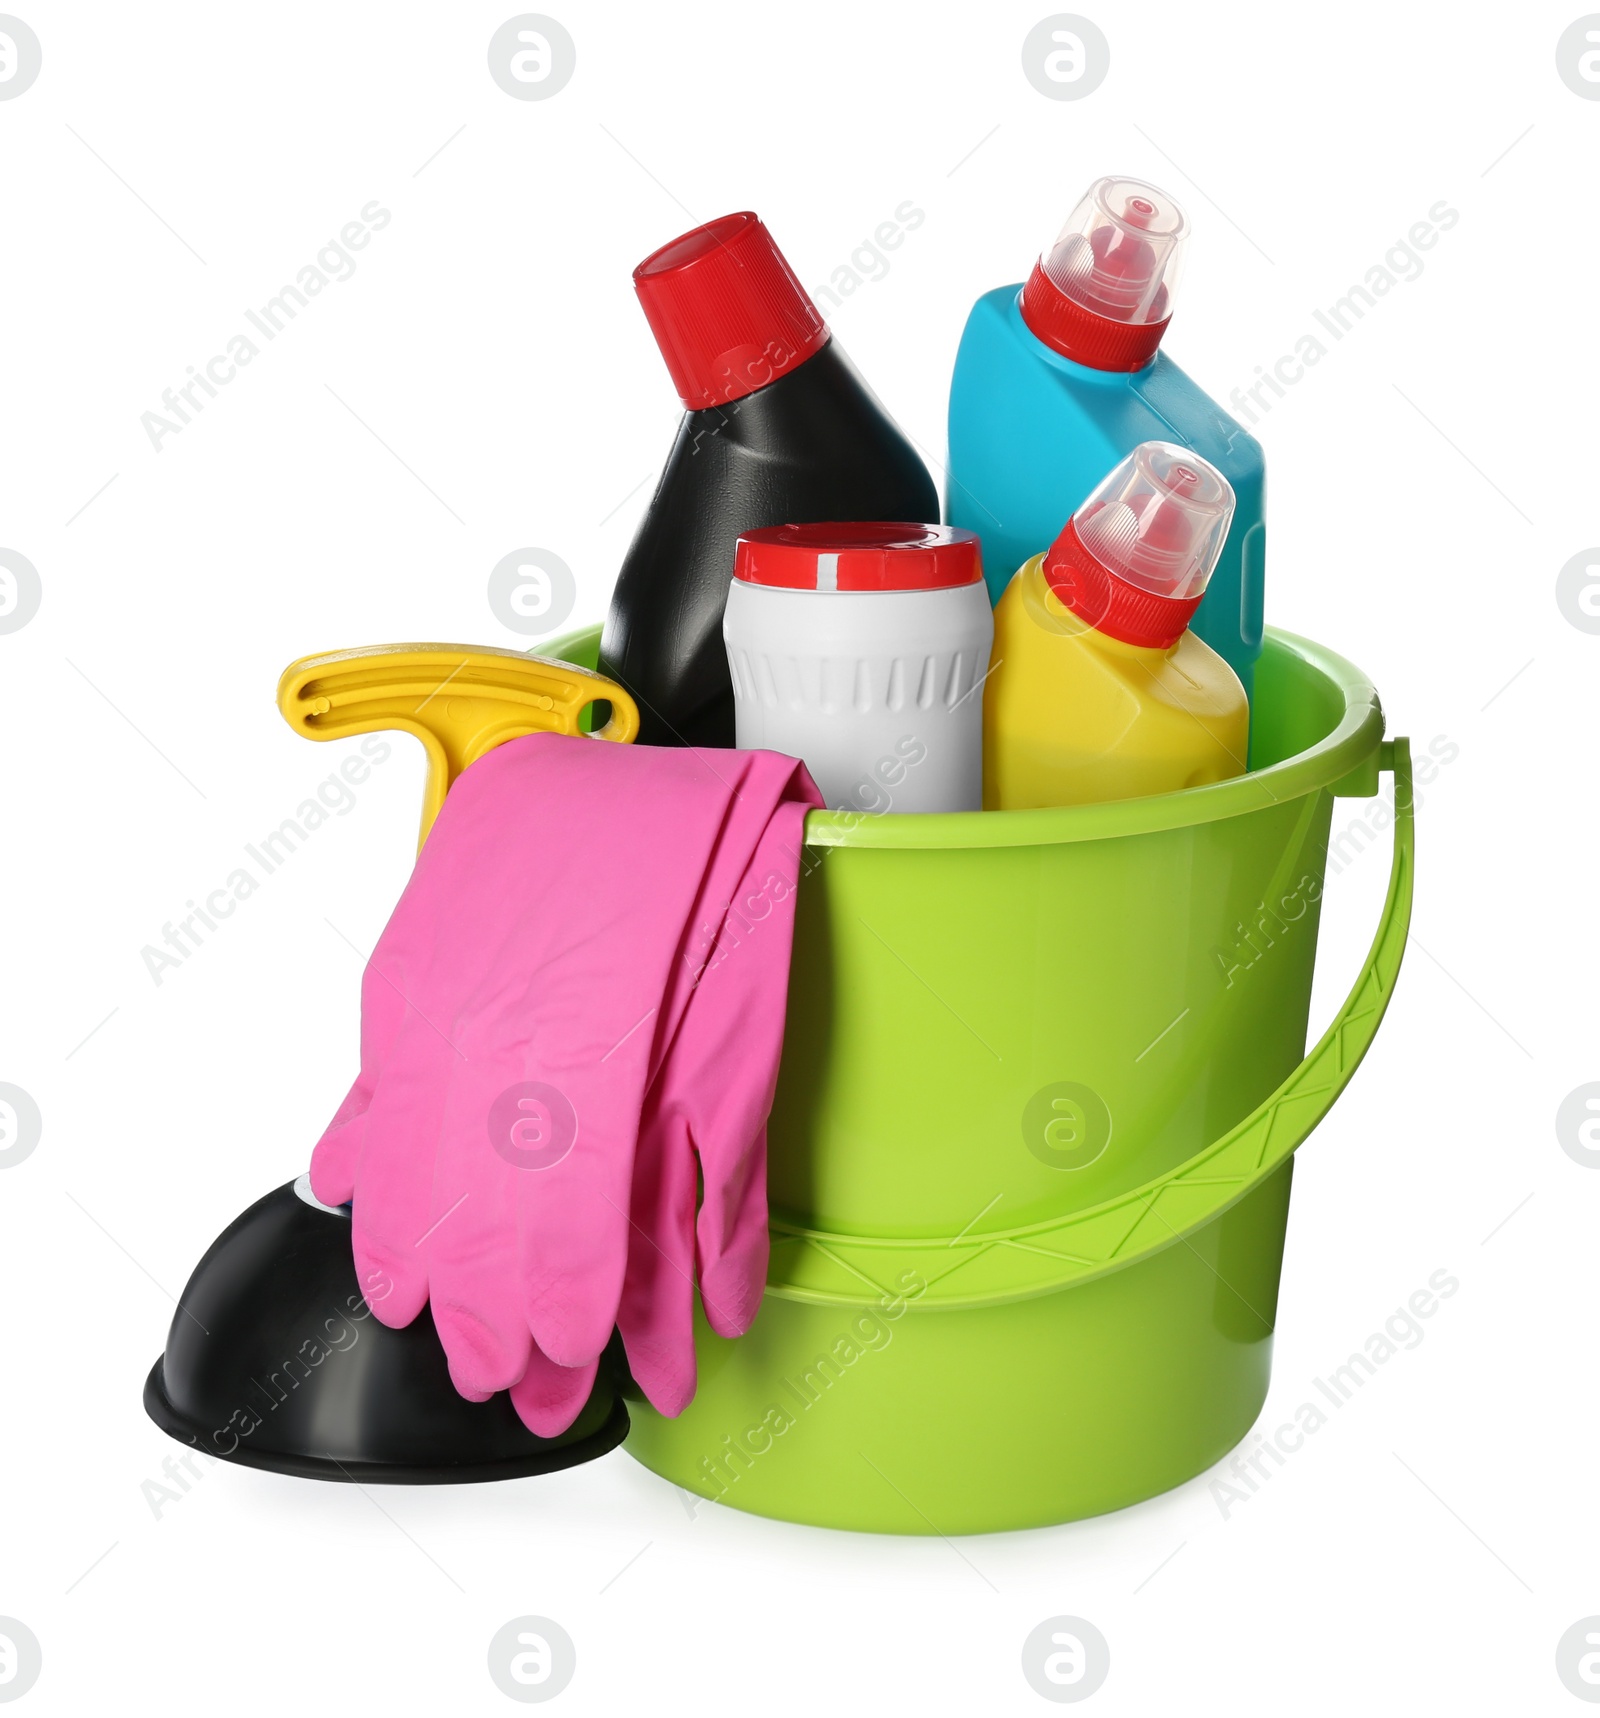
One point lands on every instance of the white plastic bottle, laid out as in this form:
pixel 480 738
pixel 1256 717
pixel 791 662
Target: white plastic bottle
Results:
pixel 861 648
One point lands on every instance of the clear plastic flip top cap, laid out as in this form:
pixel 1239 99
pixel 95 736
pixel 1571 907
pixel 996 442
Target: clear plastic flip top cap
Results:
pixel 1136 557
pixel 1102 294
pixel 1159 520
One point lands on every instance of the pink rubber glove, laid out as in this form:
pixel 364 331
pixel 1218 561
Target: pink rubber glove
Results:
pixel 514 1013
pixel 707 1110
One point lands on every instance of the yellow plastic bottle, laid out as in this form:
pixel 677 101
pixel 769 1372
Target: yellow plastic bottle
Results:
pixel 1098 689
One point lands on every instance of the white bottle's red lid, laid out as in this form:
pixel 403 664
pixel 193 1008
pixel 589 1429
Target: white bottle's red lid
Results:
pixel 872 555
pixel 1102 294
pixel 1136 557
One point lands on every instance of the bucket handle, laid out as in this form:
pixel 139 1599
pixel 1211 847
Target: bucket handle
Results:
pixel 1018 1264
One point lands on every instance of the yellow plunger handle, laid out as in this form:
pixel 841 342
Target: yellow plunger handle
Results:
pixel 459 701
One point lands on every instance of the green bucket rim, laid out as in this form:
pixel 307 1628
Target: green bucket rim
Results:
pixel 1352 742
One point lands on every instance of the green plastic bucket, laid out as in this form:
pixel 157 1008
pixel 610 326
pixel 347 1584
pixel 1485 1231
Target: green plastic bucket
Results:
pixel 1030 1155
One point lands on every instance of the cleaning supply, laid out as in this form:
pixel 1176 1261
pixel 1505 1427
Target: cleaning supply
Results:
pixel 459 700
pixel 1100 691
pixel 862 648
pixel 275 1361
pixel 528 991
pixel 1057 379
pixel 274 1358
pixel 778 427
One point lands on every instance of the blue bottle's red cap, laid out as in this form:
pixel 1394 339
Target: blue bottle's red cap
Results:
pixel 1102 294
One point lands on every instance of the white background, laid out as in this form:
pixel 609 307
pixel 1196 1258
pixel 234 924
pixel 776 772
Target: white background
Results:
pixel 1429 478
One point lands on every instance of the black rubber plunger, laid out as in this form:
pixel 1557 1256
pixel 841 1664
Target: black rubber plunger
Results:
pixel 275 1360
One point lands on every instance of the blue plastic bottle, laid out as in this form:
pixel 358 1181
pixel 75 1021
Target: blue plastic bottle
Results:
pixel 1058 380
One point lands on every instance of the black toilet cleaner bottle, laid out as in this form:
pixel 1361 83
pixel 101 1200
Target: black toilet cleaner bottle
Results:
pixel 778 429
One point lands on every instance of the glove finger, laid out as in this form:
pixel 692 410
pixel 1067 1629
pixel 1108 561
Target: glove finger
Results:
pixel 471 1249
pixel 656 1313
pixel 548 1398
pixel 486 1354
pixel 334 1158
pixel 733 1266
pixel 393 1201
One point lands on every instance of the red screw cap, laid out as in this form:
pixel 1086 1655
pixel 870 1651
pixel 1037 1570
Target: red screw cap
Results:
pixel 727 311
pixel 1135 559
pixel 1102 294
